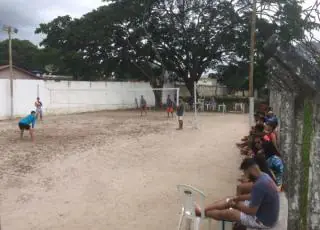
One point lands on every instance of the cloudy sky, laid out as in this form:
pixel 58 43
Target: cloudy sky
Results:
pixel 26 15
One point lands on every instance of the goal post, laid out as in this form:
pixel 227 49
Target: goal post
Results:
pixel 195 103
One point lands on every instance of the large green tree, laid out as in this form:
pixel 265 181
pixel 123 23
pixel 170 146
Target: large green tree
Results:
pixel 24 53
pixel 149 38
pixel 143 39
pixel 286 18
pixel 28 56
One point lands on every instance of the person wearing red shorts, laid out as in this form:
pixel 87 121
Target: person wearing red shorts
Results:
pixel 169 106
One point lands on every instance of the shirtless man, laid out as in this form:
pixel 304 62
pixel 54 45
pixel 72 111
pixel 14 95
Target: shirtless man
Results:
pixel 38 105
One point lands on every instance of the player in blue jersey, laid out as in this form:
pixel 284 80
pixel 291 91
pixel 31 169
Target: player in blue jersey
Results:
pixel 28 123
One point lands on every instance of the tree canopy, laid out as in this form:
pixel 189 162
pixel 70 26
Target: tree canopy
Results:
pixel 23 52
pixel 142 39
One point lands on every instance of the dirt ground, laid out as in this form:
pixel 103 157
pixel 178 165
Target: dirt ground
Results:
pixel 113 170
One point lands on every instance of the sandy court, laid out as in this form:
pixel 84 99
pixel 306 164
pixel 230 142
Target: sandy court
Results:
pixel 113 170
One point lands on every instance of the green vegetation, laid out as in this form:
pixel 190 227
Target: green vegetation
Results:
pixel 134 38
pixel 306 146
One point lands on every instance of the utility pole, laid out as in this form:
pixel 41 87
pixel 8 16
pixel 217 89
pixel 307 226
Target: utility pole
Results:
pixel 251 67
pixel 10 30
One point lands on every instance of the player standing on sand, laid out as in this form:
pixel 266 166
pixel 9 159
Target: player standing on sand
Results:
pixel 38 105
pixel 169 106
pixel 143 105
pixel 180 113
pixel 24 124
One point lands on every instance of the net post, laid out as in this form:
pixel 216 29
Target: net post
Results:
pixel 38 91
pixel 195 126
pixel 178 94
pixel 195 97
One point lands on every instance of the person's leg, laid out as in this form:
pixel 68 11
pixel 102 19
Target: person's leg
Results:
pixel 21 130
pixel 40 112
pixel 31 134
pixel 218 205
pixel 232 215
pixel 251 222
pixel 180 123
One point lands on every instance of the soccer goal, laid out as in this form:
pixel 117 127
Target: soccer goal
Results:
pixel 71 100
pixel 112 98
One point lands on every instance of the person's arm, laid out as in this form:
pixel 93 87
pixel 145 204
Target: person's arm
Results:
pixel 274 140
pixel 242 197
pixel 246 209
pixel 257 196
pixel 33 123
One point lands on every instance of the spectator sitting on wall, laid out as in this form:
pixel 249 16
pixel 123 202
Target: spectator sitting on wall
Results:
pixel 246 147
pixel 257 128
pixel 246 184
pixel 275 163
pixel 271 135
pixel 271 117
pixel 259 210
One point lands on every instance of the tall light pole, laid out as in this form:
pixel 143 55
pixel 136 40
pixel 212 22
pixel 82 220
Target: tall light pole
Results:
pixel 10 30
pixel 251 67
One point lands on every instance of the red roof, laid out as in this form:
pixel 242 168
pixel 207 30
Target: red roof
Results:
pixel 3 67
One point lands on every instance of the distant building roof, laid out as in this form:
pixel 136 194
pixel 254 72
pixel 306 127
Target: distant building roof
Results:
pixel 31 75
pixel 56 77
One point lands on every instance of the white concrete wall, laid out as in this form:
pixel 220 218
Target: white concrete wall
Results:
pixel 74 96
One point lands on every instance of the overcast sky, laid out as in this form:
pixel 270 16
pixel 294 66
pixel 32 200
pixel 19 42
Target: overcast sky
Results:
pixel 26 15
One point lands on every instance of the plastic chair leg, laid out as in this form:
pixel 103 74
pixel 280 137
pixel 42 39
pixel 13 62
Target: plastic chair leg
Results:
pixel 209 224
pixel 180 221
pixel 196 223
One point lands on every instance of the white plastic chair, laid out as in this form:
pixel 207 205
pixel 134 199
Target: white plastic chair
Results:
pixel 223 107
pixel 189 195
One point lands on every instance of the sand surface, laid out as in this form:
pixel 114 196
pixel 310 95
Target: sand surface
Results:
pixel 113 170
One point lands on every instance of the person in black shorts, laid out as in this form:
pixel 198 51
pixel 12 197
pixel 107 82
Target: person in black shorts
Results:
pixel 28 123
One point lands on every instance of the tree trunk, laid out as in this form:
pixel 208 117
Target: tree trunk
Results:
pixel 216 90
pixel 157 93
pixel 190 86
pixel 158 98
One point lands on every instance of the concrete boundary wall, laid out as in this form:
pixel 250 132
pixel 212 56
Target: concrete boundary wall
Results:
pixel 294 84
pixel 74 96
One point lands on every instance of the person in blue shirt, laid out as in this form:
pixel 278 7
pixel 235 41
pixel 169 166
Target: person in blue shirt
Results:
pixel 28 123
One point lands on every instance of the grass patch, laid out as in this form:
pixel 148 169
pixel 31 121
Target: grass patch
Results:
pixel 306 146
